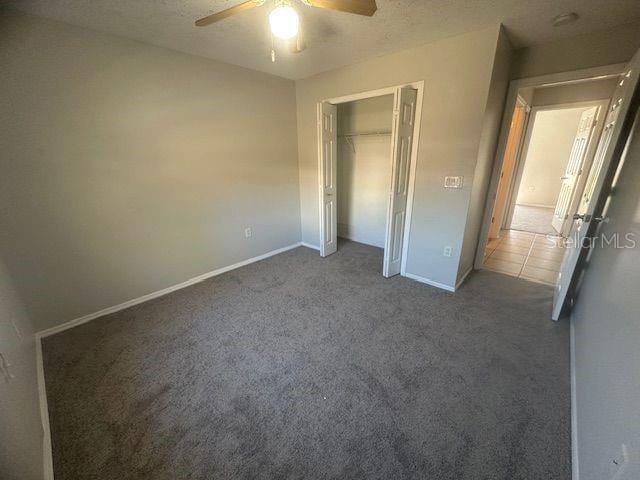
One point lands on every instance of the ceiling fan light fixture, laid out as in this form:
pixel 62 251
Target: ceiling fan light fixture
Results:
pixel 284 21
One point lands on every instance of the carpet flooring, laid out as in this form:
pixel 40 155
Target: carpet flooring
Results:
pixel 298 367
pixel 533 219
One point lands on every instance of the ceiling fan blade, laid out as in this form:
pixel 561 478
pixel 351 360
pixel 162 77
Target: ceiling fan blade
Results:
pixel 359 7
pixel 248 5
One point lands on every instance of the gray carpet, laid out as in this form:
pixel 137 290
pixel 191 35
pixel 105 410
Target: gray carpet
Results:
pixel 299 367
pixel 533 219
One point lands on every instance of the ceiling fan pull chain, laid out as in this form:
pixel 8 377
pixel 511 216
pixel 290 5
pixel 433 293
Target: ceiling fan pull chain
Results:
pixel 273 50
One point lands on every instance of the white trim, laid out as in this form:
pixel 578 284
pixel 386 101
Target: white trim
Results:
pixel 419 86
pixel 507 214
pixel 309 245
pixel 348 232
pixel 464 277
pixel 362 95
pixel 47 454
pixel 575 465
pixel 159 293
pixel 569 105
pixel 536 205
pixel 572 76
pixel 518 169
pixel 433 283
pixel 42 390
pixel 575 76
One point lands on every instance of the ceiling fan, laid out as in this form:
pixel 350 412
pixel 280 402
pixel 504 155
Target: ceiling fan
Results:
pixel 284 20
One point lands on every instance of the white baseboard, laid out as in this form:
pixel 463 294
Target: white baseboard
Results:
pixel 575 466
pixel 350 233
pixel 309 245
pixel 42 390
pixel 159 293
pixel 537 205
pixel 464 277
pixel 420 279
pixel 47 454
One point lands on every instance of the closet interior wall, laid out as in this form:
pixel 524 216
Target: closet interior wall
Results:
pixel 364 168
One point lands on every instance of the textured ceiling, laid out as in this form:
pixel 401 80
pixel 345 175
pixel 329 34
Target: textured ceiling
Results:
pixel 334 39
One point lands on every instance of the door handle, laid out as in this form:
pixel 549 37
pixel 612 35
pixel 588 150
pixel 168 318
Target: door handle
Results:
pixel 564 177
pixel 585 217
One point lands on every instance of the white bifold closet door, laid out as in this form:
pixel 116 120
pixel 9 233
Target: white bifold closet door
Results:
pixel 328 136
pixel 401 143
pixel 598 186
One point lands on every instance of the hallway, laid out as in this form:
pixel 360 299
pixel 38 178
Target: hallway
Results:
pixel 525 255
pixel 531 219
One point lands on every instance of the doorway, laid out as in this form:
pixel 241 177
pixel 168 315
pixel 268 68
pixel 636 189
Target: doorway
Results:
pixel 554 132
pixel 366 194
pixel 559 145
pixel 364 142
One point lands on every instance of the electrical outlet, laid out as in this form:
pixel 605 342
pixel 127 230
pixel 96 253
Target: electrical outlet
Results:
pixel 247 232
pixel 447 251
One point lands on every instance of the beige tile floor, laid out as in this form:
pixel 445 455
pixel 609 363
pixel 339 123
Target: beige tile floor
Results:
pixel 525 255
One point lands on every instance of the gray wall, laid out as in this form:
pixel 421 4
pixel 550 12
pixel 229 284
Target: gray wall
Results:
pixel 364 169
pixel 20 426
pixel 606 325
pixel 487 150
pixel 579 92
pixel 457 73
pixel 127 168
pixel 606 47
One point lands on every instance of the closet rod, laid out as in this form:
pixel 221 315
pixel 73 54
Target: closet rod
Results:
pixel 363 134
pixel 349 137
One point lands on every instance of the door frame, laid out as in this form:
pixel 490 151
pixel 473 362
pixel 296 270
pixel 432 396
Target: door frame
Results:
pixel 562 78
pixel 391 90
pixel 497 219
pixel 522 156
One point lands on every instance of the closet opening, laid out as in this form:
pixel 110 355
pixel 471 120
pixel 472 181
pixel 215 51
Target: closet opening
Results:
pixel 367 147
pixel 364 143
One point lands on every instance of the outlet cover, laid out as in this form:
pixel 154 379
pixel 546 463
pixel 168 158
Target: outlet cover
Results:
pixel 247 232
pixel 447 251
pixel 453 182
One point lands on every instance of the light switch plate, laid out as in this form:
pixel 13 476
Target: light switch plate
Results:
pixel 453 182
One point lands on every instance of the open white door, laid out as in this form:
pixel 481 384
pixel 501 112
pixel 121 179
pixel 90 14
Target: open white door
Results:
pixel 401 143
pixel 598 185
pixel 579 153
pixel 328 152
